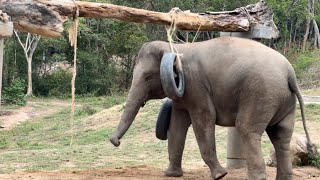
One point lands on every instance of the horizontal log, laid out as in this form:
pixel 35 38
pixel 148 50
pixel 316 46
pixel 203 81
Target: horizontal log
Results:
pixel 46 17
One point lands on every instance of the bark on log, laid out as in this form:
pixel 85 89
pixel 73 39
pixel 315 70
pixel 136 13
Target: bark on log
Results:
pixel 46 17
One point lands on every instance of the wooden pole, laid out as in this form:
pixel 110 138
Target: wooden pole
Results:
pixel 46 17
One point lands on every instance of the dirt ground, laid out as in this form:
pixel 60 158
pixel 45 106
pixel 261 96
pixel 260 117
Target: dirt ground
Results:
pixel 144 172
pixel 33 109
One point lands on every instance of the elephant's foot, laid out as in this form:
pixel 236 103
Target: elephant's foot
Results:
pixel 219 173
pixel 258 176
pixel 173 171
pixel 288 177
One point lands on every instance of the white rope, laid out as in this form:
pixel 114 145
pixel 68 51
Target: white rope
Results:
pixel 170 32
pixel 197 34
pixel 73 33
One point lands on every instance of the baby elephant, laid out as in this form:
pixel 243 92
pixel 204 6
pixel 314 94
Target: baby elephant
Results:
pixel 226 81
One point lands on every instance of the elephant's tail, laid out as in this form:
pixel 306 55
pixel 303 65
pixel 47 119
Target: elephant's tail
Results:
pixel 295 89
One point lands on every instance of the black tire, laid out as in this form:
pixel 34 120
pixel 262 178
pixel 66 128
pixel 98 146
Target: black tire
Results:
pixel 163 121
pixel 172 80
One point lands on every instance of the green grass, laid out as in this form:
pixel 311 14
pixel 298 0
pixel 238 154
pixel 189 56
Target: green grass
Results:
pixel 44 143
pixel 102 102
pixel 304 61
pixel 311 92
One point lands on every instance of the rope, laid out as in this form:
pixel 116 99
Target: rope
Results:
pixel 197 34
pixel 170 32
pixel 244 11
pixel 73 33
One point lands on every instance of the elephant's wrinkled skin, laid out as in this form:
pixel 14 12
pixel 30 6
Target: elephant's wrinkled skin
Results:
pixel 229 82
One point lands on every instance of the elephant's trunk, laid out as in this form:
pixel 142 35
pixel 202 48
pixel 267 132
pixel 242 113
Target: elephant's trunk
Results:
pixel 136 98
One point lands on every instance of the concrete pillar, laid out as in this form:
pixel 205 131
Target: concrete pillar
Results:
pixel 6 29
pixel 236 153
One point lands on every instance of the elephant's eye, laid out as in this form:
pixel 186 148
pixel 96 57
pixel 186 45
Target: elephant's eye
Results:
pixel 148 77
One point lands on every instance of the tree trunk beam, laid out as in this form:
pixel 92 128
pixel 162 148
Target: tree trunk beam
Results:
pixel 46 17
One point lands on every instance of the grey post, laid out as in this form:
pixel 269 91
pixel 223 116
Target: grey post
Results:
pixel 6 30
pixel 236 153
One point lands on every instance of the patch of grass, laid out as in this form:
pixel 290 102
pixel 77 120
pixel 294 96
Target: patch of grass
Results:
pixel 27 128
pixel 311 92
pixel 312 106
pixel 4 143
pixel 312 112
pixel 304 61
pixel 91 136
pixel 86 110
pixel 315 161
pixel 44 143
pixel 102 101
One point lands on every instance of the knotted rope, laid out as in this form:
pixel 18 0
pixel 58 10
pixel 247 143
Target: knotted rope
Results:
pixel 170 32
pixel 245 11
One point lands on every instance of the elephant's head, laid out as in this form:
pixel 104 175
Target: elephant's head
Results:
pixel 149 82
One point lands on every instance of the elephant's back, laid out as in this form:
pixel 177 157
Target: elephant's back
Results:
pixel 236 68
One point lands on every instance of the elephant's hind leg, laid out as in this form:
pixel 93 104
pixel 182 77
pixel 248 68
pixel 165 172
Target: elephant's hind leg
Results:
pixel 280 136
pixel 251 123
pixel 255 161
pixel 180 122
pixel 203 124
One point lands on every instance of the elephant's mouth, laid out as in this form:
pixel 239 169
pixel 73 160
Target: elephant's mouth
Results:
pixel 175 76
pixel 143 104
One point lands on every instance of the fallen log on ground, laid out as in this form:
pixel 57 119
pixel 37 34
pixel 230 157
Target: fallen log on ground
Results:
pixel 46 17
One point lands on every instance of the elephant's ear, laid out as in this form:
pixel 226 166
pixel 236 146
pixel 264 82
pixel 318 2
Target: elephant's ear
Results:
pixel 172 79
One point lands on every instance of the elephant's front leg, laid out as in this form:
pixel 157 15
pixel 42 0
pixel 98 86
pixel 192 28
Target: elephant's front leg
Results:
pixel 180 122
pixel 203 123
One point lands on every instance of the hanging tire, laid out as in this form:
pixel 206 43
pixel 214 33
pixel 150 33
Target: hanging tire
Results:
pixel 172 79
pixel 163 121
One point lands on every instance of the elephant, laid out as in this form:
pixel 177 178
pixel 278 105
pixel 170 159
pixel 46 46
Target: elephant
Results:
pixel 226 81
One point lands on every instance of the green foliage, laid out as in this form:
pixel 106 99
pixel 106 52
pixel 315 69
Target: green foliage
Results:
pixel 57 84
pixel 315 161
pixel 305 60
pixel 14 94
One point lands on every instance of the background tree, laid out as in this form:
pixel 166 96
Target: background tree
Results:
pixel 29 47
